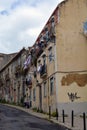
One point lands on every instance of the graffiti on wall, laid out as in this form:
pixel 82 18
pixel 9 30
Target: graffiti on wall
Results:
pixel 73 96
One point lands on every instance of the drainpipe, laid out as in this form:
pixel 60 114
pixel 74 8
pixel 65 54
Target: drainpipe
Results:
pixel 56 69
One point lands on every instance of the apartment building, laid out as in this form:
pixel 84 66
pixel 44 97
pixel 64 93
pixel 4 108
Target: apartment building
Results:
pixel 64 83
pixel 71 51
pixel 54 69
pixel 11 78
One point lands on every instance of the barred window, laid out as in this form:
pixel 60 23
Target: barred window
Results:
pixel 50 55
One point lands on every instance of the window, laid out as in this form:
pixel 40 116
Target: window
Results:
pixel 30 97
pixel 51 86
pixel 50 54
pixel 85 28
pixel 34 94
pixel 45 89
pixel 44 59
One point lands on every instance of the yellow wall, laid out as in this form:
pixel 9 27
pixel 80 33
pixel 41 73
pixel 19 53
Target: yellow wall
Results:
pixel 72 49
pixel 73 87
pixel 49 100
pixel 71 43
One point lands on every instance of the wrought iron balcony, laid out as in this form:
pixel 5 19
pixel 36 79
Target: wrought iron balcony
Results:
pixel 43 71
pixel 29 83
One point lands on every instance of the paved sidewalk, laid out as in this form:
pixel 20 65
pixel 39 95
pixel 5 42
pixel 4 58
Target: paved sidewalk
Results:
pixel 78 121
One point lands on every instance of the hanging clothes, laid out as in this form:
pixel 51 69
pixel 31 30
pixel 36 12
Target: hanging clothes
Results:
pixel 39 68
pixel 43 69
pixel 27 62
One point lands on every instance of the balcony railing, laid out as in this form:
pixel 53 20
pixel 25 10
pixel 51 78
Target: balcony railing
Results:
pixel 29 83
pixel 43 71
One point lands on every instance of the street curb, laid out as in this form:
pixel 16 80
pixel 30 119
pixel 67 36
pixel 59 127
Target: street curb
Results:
pixel 34 114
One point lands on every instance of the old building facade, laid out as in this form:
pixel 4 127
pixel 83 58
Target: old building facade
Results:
pixel 11 79
pixel 54 70
pixel 71 55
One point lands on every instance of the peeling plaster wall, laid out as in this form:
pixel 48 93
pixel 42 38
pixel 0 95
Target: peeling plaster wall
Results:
pixel 70 87
pixel 79 79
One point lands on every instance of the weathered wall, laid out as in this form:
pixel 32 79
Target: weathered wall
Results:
pixel 49 100
pixel 72 52
pixel 71 42
pixel 77 88
pixel 79 79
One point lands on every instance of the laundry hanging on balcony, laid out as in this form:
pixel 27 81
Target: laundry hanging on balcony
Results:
pixel 39 68
pixel 27 62
pixel 85 28
pixel 38 49
pixel 43 69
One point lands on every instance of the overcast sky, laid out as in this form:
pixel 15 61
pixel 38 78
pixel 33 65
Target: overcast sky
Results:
pixel 21 21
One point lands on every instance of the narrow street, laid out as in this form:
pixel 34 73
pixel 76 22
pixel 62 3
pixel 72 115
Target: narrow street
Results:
pixel 13 119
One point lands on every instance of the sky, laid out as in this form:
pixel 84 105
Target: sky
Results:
pixel 21 21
